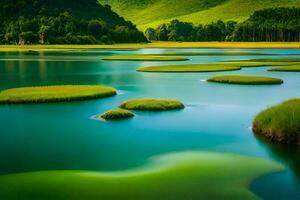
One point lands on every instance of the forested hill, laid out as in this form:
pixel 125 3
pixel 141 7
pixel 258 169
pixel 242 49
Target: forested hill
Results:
pixel 63 21
pixel 151 13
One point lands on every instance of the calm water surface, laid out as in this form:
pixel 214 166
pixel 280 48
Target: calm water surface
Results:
pixel 65 135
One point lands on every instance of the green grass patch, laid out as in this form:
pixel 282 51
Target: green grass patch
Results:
pixel 196 175
pixel 59 93
pixel 190 68
pixel 286 69
pixel 280 123
pixel 276 60
pixel 224 53
pixel 245 80
pixel 145 58
pixel 152 104
pixel 117 114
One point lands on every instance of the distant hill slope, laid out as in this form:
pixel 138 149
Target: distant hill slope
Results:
pixel 151 13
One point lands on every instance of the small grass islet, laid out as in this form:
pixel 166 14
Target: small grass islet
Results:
pixel 286 69
pixel 152 105
pixel 60 93
pixel 245 80
pixel 173 176
pixel 116 114
pixel 145 58
pixel 280 123
pixel 189 68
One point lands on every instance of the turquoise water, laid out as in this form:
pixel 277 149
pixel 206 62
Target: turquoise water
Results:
pixel 66 136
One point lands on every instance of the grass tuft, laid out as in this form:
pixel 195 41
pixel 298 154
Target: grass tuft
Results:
pixel 245 80
pixel 286 69
pixel 117 114
pixel 280 123
pixel 47 94
pixel 152 105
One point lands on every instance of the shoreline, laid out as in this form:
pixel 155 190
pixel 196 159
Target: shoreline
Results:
pixel 154 45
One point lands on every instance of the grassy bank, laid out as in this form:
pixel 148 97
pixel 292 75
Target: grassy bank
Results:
pixel 280 123
pixel 229 45
pixel 286 69
pixel 152 104
pixel 145 58
pixel 245 80
pixel 60 93
pixel 116 114
pixel 196 175
pixel 223 53
pixel 189 68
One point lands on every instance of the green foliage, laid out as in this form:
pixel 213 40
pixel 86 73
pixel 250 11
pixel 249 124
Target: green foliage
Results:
pixel 117 114
pixel 47 94
pixel 245 80
pixel 145 58
pixel 280 123
pixel 274 24
pixel 63 22
pixel 196 175
pixel 152 105
pixel 286 69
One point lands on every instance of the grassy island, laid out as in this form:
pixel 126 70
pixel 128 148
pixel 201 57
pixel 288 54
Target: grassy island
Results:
pixel 189 68
pixel 145 58
pixel 47 94
pixel 152 105
pixel 186 174
pixel 222 53
pixel 286 69
pixel 276 60
pixel 117 114
pixel 245 80
pixel 280 123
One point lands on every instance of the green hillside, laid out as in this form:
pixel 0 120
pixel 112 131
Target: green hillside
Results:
pixel 151 13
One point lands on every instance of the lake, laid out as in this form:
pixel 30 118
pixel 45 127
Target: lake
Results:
pixel 217 117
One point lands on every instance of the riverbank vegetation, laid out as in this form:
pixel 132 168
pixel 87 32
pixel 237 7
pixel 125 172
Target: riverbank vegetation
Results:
pixel 272 24
pixel 145 58
pixel 116 114
pixel 152 105
pixel 63 22
pixel 286 69
pixel 280 123
pixel 46 94
pixel 185 174
pixel 220 53
pixel 245 80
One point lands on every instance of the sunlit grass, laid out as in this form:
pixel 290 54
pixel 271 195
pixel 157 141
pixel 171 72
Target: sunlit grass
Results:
pixel 280 123
pixel 46 94
pixel 116 114
pixel 152 104
pixel 286 69
pixel 189 68
pixel 245 80
pixel 188 175
pixel 230 45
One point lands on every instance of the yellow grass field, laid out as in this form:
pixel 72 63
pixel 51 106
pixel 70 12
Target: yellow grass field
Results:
pixel 232 45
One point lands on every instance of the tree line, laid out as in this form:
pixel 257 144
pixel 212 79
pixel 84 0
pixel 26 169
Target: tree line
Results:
pixel 40 22
pixel 274 24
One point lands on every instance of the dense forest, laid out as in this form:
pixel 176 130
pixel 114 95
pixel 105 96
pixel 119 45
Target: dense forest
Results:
pixel 274 24
pixel 63 22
